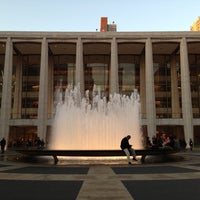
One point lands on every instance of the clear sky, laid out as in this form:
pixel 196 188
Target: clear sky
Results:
pixel 84 15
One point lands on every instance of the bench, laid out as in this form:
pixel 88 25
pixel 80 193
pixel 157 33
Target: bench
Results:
pixel 93 153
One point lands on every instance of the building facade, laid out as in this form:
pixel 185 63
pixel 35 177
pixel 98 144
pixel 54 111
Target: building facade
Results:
pixel 163 66
pixel 104 26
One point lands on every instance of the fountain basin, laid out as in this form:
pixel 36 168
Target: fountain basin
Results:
pixel 94 153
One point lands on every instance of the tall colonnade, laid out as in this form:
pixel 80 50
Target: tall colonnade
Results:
pixel 12 63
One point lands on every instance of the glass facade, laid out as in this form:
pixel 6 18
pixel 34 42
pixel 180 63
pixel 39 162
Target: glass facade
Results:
pixel 30 90
pixel 194 68
pixel 129 74
pixel 97 74
pixel 162 83
pixel 64 75
pixel 62 64
pixel 195 82
pixel 2 61
pixel 1 78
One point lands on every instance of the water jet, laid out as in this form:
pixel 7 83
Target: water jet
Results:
pixel 92 122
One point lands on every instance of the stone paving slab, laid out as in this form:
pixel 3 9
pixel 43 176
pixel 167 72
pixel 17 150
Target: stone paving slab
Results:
pixel 3 165
pixel 151 170
pixel 102 186
pixel 40 190
pixel 196 164
pixel 48 170
pixel 164 190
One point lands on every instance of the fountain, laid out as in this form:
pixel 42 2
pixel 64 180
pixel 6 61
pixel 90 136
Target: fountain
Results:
pixel 93 123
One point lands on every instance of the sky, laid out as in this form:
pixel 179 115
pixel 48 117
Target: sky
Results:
pixel 85 15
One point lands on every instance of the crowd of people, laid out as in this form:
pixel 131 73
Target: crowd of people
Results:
pixel 37 143
pixel 164 140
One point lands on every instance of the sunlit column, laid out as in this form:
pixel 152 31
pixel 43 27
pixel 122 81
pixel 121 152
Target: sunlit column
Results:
pixel 174 89
pixel 142 86
pixel 114 83
pixel 186 91
pixel 6 90
pixel 79 65
pixel 17 89
pixel 43 88
pixel 50 88
pixel 150 92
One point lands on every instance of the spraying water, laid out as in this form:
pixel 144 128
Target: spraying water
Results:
pixel 93 123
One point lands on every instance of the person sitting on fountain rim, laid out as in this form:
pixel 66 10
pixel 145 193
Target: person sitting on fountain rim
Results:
pixel 127 148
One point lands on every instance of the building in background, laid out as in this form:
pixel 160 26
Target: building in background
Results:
pixel 104 26
pixel 163 66
pixel 196 25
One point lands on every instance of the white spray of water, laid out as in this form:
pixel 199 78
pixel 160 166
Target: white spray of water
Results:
pixel 97 124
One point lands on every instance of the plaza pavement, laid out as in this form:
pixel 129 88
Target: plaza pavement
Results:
pixel 103 180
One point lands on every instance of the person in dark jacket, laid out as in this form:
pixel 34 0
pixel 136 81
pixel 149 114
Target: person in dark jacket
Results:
pixel 191 144
pixel 3 145
pixel 127 148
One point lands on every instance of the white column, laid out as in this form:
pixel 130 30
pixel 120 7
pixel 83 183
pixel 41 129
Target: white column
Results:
pixel 18 89
pixel 142 86
pixel 79 66
pixel 6 91
pixel 176 111
pixel 186 92
pixel 150 92
pixel 50 89
pixel 114 83
pixel 43 88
